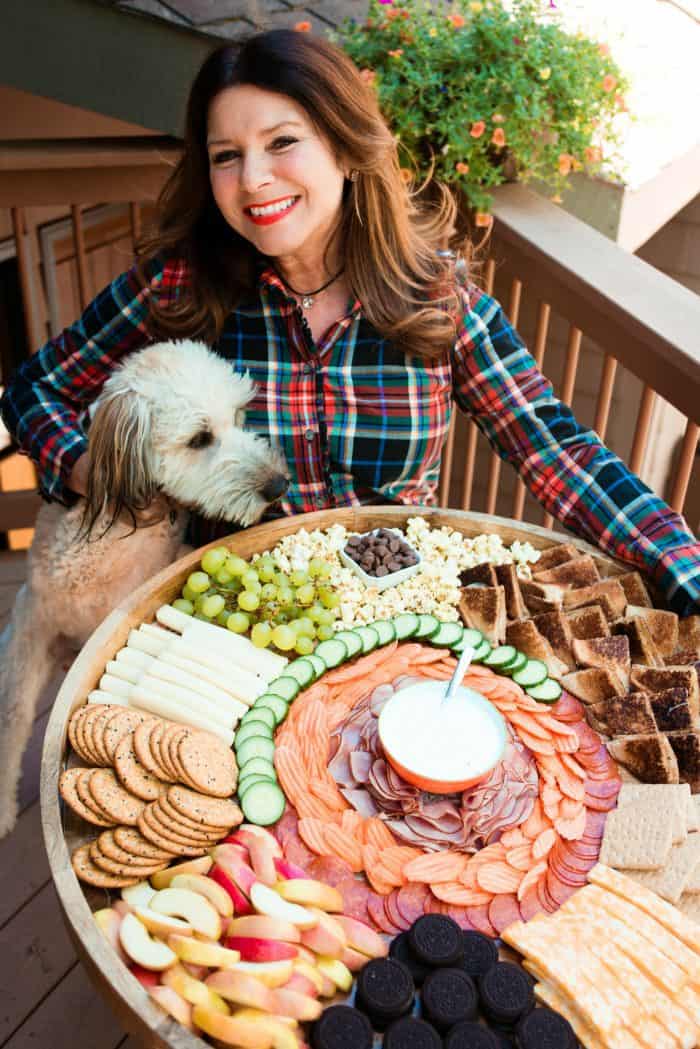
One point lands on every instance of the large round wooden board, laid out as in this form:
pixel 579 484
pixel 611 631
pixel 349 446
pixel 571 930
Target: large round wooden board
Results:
pixel 63 832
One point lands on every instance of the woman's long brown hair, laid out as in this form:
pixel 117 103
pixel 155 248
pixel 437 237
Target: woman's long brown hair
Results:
pixel 390 240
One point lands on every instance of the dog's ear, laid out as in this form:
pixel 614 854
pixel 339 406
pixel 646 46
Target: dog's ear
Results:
pixel 119 478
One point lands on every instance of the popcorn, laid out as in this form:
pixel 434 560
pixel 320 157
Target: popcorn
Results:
pixel 435 589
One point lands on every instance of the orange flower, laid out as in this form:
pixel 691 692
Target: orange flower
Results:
pixel 303 27
pixel 593 154
pixel 462 168
pixel 457 21
pixel 393 13
pixel 477 129
pixel 368 75
pixel 397 53
pixel 406 175
pixel 609 83
pixel 483 220
pixel 498 118
pixel 620 102
pixel 498 138
pixel 603 50
pixel 565 160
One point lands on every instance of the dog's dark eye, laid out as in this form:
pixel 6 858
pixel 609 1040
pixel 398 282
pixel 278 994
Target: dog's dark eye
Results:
pixel 202 439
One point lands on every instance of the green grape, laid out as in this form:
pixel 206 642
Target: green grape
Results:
pixel 212 606
pixel 326 617
pixel 250 579
pixel 238 622
pixel 304 627
pixel 298 577
pixel 198 582
pixel 189 594
pixel 282 579
pixel 305 594
pixel 261 635
pixel 236 565
pixel 267 570
pixel 268 591
pixel 214 559
pixel 314 613
pixel 281 617
pixel 319 569
pixel 285 596
pixel 304 645
pixel 248 601
pixel 183 605
pixel 284 638
pixel 329 598
pixel 324 633
pixel 223 576
pixel 223 617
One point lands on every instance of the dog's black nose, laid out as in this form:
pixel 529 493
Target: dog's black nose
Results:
pixel 273 488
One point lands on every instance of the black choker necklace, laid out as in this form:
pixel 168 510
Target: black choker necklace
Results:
pixel 307 297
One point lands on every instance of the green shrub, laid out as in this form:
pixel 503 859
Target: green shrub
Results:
pixel 487 94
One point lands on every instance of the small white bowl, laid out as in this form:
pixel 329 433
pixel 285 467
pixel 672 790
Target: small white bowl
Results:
pixel 393 578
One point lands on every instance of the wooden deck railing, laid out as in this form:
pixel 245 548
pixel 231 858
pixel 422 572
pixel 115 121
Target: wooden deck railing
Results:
pixel 643 322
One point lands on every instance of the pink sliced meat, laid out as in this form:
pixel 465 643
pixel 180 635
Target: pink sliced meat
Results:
pixel 355 899
pixel 360 765
pixel 379 698
pixel 503 911
pixel 530 904
pixel 296 852
pixel 339 767
pixel 567 709
pixel 588 740
pixel 410 901
pixel 287 822
pixel 459 915
pixel 361 801
pixel 559 890
pixel 392 911
pixel 595 825
pixel 479 918
pixel 330 869
pixel 592 801
pixel 379 917
pixel 603 788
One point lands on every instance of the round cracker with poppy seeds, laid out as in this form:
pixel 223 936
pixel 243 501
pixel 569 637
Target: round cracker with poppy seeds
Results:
pixel 90 873
pixel 146 753
pixel 133 775
pixel 94 732
pixel 122 723
pixel 208 764
pixel 122 870
pixel 67 786
pixel 155 835
pixel 186 822
pixel 132 840
pixel 76 742
pixel 116 800
pixel 82 785
pixel 218 812
pixel 175 828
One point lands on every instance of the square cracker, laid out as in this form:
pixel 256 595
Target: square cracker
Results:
pixel 690 907
pixel 672 797
pixel 639 834
pixel 670 883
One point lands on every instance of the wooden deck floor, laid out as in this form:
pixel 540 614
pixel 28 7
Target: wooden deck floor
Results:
pixel 46 998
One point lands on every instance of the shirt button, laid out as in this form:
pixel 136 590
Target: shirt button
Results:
pixel 307 369
pixel 310 435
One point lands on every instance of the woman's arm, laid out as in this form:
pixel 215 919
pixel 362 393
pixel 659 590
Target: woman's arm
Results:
pixel 564 465
pixel 43 401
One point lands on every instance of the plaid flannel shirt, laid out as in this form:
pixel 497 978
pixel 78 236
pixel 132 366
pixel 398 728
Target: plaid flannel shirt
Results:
pixel 360 421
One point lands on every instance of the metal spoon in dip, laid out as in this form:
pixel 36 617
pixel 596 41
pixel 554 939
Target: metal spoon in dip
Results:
pixel 460 670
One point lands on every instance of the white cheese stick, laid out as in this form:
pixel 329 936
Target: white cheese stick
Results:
pixel 153 630
pixel 133 657
pixel 188 675
pixel 109 699
pixel 227 704
pixel 185 696
pixel 266 665
pixel 144 643
pixel 143 699
pixel 115 686
pixel 125 671
pixel 241 683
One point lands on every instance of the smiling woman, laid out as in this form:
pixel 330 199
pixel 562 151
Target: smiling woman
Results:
pixel 287 238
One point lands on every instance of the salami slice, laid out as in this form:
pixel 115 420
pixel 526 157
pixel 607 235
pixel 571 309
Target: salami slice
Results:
pixel 530 904
pixel 595 825
pixel 378 916
pixel 331 870
pixel 588 740
pixel 567 709
pixel 459 914
pixel 355 898
pixel 503 911
pixel 479 918
pixel 593 801
pixel 287 822
pixel 393 913
pixel 410 901
pixel 602 788
pixel 296 852
pixel 558 889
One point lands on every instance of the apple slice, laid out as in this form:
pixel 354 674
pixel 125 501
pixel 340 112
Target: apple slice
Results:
pixel 311 973
pixel 311 893
pixel 264 927
pixel 288 870
pixel 108 920
pixel 253 949
pixel 208 888
pixel 263 1032
pixel 241 903
pixel 141 948
pixel 233 859
pixel 263 849
pixel 146 977
pixel 302 984
pixel 139 895
pixel 173 1004
pixel 246 1013
pixel 241 988
pixel 194 908
pixel 272 974
pixel 162 925
pixel 327 937
pixel 334 969
pixel 299 1006
pixel 197 972
pixel 353 959
pixel 362 938
pixel 194 991
pixel 267 901
pixel 196 952
pixel 201 865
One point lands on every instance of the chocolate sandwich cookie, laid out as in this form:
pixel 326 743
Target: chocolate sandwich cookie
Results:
pixel 449 996
pixel 385 991
pixel 341 1026
pixel 480 953
pixel 506 993
pixel 470 1035
pixel 401 950
pixel 544 1029
pixel 411 1033
pixel 436 940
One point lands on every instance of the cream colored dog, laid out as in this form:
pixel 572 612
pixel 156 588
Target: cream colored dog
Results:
pixel 167 432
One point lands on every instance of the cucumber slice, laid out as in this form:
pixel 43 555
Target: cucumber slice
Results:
pixel 256 747
pixel 248 781
pixel 517 664
pixel 251 728
pixel 533 673
pixel 259 714
pixel 352 641
pixel 332 652
pixel 302 671
pixel 470 637
pixel 447 635
pixel 263 803
pixel 286 687
pixel 500 657
pixel 405 625
pixel 255 765
pixel 386 631
pixel 370 638
pixel 481 652
pixel 427 625
pixel 317 663
pixel 548 691
pixel 276 704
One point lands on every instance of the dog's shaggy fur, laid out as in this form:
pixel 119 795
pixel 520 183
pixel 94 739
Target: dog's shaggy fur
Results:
pixel 168 426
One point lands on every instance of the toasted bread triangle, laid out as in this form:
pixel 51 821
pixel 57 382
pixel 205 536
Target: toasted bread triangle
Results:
pixel 592 686
pixel 608 653
pixel 525 636
pixel 484 608
pixel 624 715
pixel 654 679
pixel 508 579
pixel 671 709
pixel 588 622
pixel 581 571
pixel 650 757
pixel 556 555
pixel 643 648
pixel 662 625
pixel 635 590
pixel 555 627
